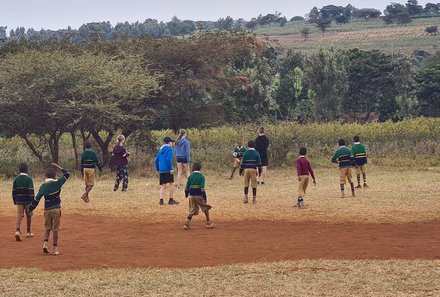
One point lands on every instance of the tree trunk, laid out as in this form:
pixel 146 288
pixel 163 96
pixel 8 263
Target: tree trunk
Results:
pixel 75 148
pixel 104 145
pixel 32 148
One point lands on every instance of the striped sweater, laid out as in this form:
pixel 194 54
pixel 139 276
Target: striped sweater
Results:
pixel 359 152
pixel 51 190
pixel 251 159
pixel 23 189
pixel 343 157
pixel 195 185
pixel 90 159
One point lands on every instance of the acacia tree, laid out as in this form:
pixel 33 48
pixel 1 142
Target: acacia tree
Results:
pixel 45 93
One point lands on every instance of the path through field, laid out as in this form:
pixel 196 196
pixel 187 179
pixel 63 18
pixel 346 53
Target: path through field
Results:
pixel 87 242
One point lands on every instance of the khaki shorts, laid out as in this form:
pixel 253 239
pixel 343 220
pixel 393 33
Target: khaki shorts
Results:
pixel 22 210
pixel 195 203
pixel 361 169
pixel 250 177
pixel 303 183
pixel 52 219
pixel 344 174
pixel 89 176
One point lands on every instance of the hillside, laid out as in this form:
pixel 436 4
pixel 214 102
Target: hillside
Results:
pixel 372 34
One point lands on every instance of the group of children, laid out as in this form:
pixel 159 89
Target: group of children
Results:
pixel 248 160
pixel 23 197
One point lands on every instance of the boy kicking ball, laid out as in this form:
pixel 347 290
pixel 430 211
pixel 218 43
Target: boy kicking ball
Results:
pixel 195 189
pixel 304 170
pixel 51 191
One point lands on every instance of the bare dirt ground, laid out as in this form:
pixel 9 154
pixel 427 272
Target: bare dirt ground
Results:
pixel 95 242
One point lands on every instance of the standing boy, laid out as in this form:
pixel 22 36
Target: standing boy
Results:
pixel 303 169
pixel 89 161
pixel 195 189
pixel 344 159
pixel 251 167
pixel 237 154
pixel 359 152
pixel 120 161
pixel 164 167
pixel 51 190
pixel 261 146
pixel 22 195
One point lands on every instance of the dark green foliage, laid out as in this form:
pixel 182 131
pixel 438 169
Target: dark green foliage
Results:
pixel 428 87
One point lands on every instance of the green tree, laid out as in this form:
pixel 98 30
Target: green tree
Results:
pixel 428 86
pixel 327 77
pixel 396 13
pixel 45 93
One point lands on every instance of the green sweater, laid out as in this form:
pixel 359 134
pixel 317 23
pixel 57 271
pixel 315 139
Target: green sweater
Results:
pixel 343 157
pixel 359 152
pixel 90 159
pixel 195 184
pixel 251 159
pixel 23 189
pixel 51 190
pixel 239 151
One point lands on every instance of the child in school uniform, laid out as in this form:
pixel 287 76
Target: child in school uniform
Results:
pixel 51 191
pixel 344 159
pixel 237 154
pixel 359 152
pixel 195 189
pixel 304 171
pixel 22 196
pixel 89 161
pixel 251 167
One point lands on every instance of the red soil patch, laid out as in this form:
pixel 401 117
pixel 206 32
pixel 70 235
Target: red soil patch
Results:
pixel 87 242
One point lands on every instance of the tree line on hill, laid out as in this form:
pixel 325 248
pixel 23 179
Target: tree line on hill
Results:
pixel 96 89
pixel 323 18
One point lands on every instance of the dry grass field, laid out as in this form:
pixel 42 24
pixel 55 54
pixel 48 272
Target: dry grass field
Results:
pixel 396 196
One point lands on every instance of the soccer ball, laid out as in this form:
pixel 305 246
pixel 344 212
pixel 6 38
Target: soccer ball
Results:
pixel 235 154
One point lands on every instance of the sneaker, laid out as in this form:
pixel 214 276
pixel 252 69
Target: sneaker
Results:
pixel 45 248
pixel 254 200
pixel 17 236
pixel 115 189
pixel 55 251
pixel 29 235
pixel 245 200
pixel 366 186
pixel 353 194
pixel 171 201
pixel 187 226
pixel 124 190
pixel 231 177
pixel 301 204
pixel 262 183
pixel 160 201
pixel 358 187
pixel 209 225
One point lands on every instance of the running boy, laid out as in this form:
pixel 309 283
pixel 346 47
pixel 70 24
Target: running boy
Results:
pixel 344 159
pixel 22 195
pixel 195 189
pixel 359 152
pixel 89 161
pixel 303 169
pixel 237 154
pixel 164 167
pixel 51 190
pixel 251 167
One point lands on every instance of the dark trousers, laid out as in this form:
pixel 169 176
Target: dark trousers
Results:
pixel 122 175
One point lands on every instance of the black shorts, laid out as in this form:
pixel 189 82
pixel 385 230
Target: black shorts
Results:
pixel 264 159
pixel 166 178
pixel 181 160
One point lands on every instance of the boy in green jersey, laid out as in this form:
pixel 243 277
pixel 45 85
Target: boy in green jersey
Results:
pixel 344 159
pixel 359 152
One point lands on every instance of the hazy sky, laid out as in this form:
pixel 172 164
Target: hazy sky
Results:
pixel 57 14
